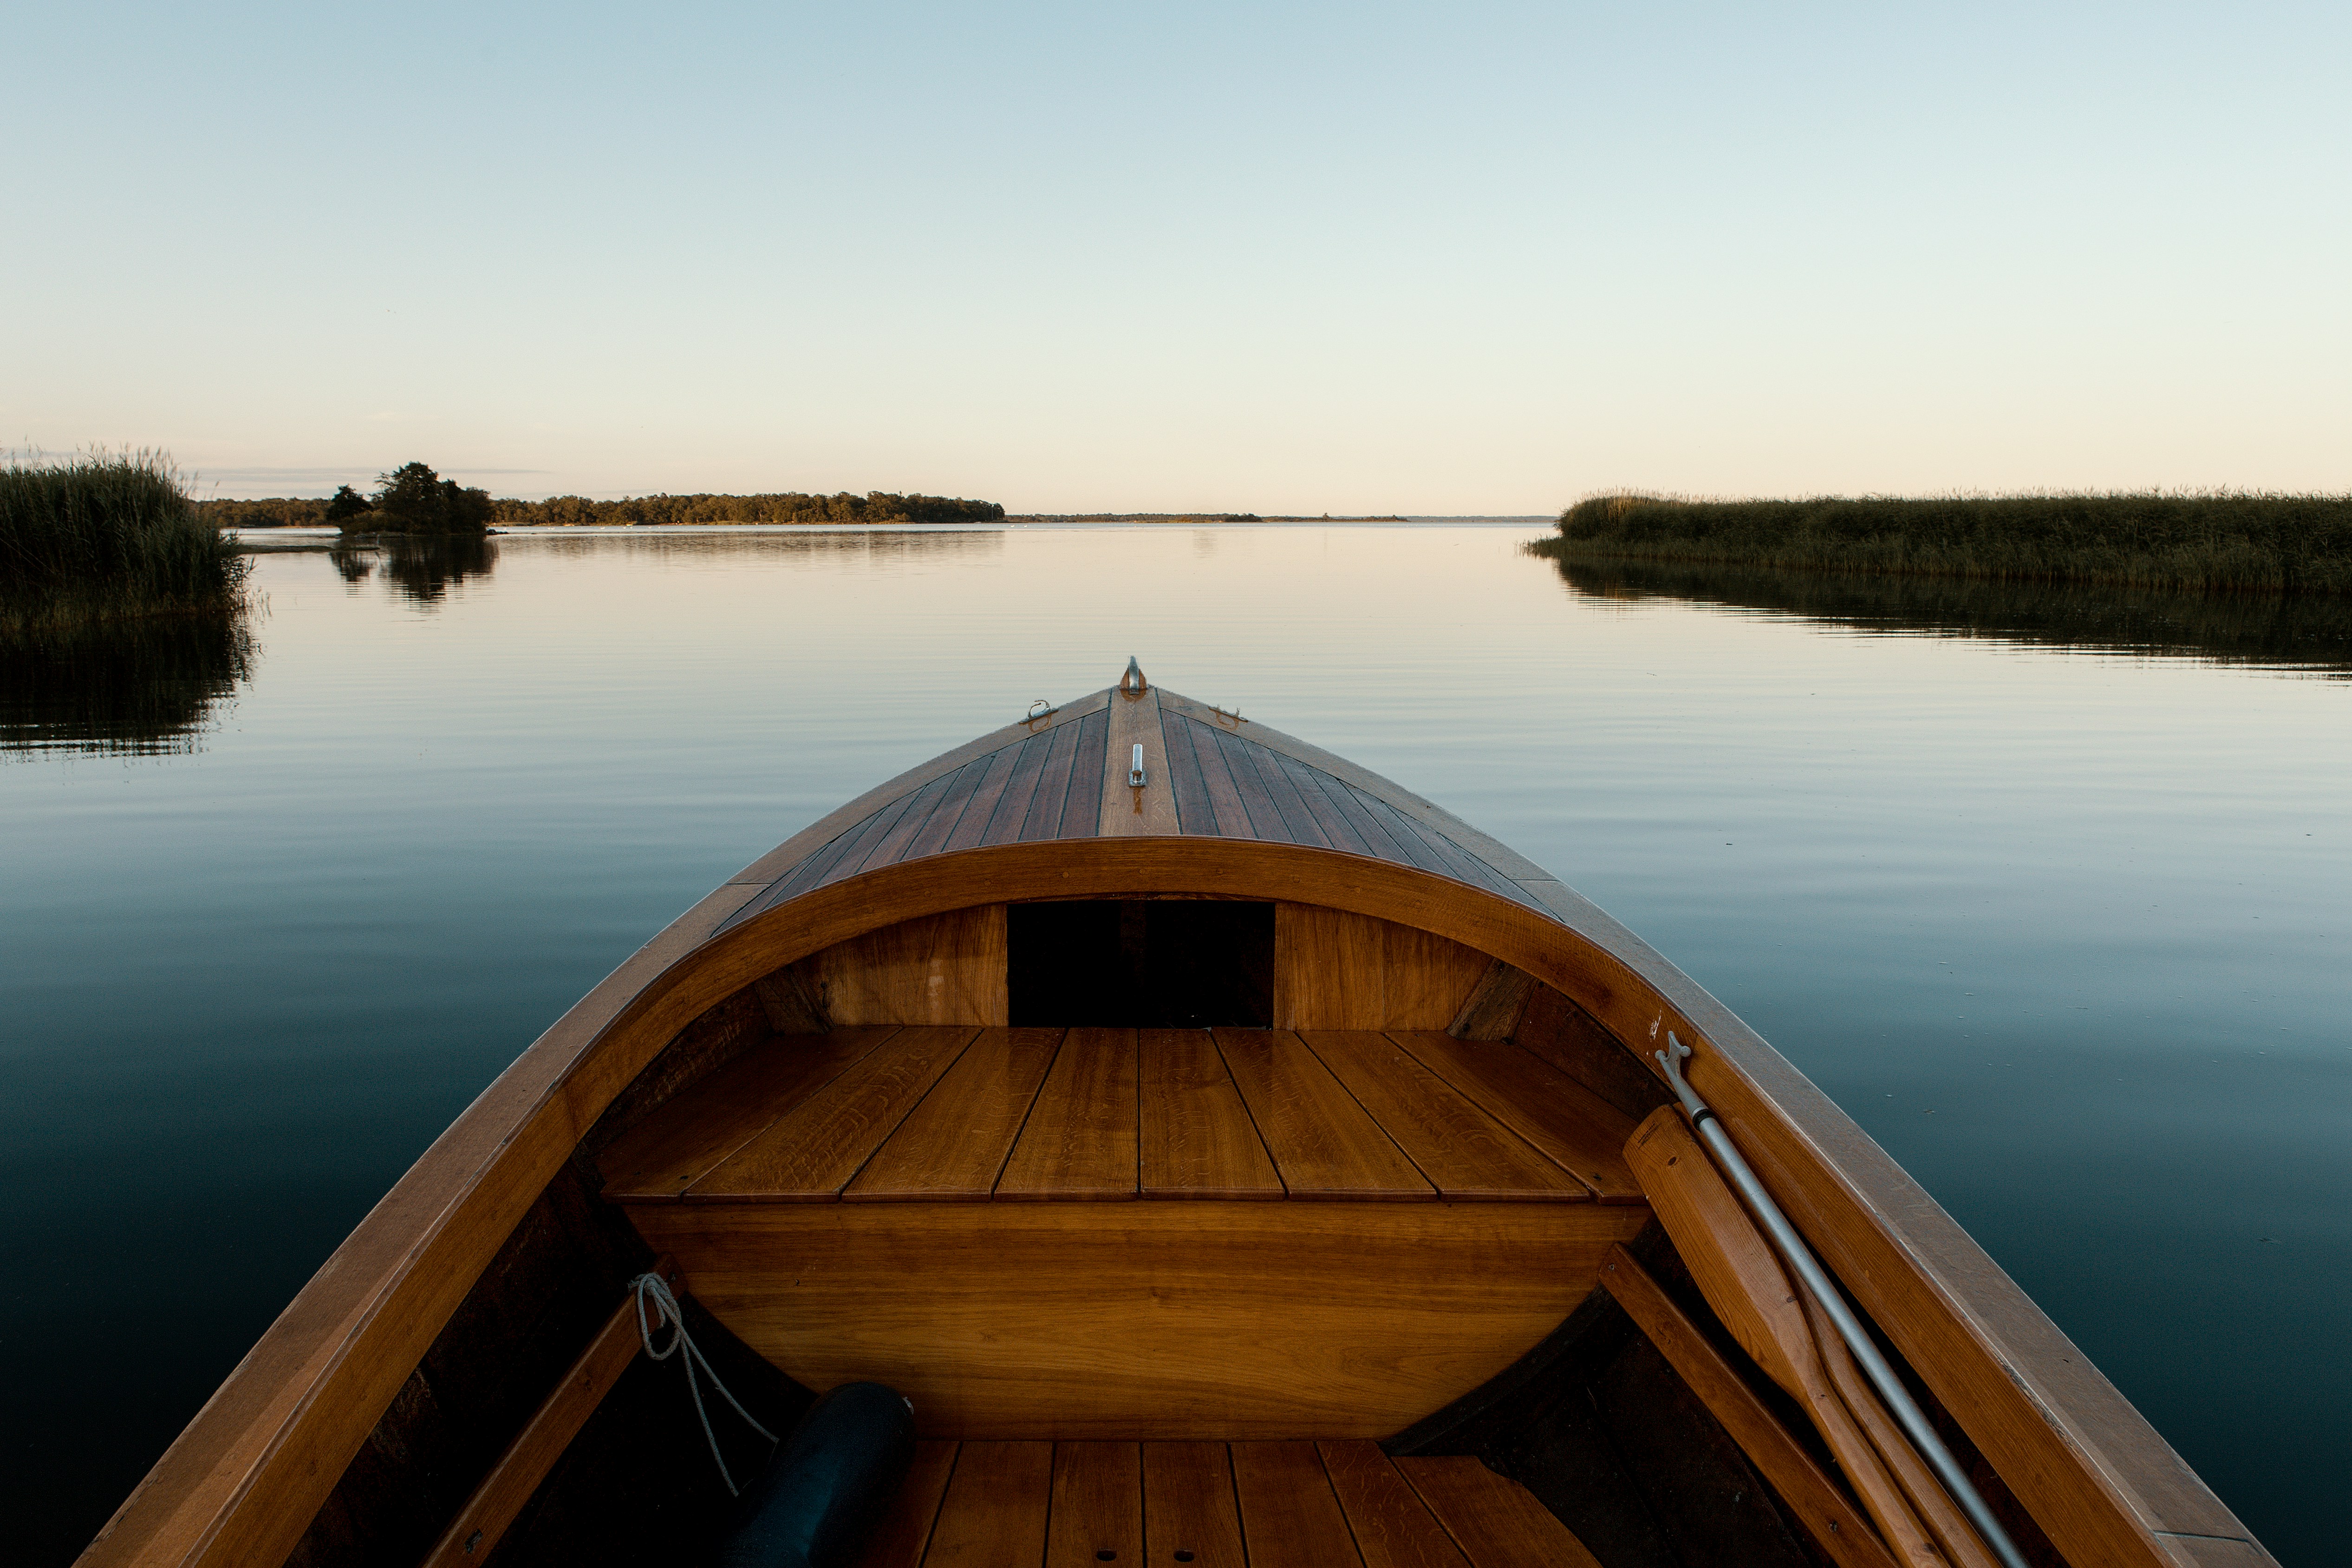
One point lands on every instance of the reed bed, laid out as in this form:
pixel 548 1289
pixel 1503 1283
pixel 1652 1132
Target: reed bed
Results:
pixel 106 536
pixel 2211 541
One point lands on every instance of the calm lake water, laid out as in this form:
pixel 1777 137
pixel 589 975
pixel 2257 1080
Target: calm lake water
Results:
pixel 2052 890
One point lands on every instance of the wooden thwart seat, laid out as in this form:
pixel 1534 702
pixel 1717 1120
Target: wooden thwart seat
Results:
pixel 1212 1505
pixel 957 1113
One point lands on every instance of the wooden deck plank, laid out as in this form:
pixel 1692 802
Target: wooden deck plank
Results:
pixel 1323 1142
pixel 1462 1151
pixel 809 872
pixel 683 1141
pixel 952 1145
pixel 1377 840
pixel 1188 1513
pixel 972 827
pixel 994 1512
pixel 890 847
pixel 933 836
pixel 1098 1515
pixel 1316 801
pixel 1194 812
pixel 1283 790
pixel 1240 759
pixel 1412 848
pixel 1392 1527
pixel 811 1153
pixel 1498 1523
pixel 1290 1517
pixel 1082 805
pixel 1053 795
pixel 899 1540
pixel 1080 1140
pixel 1579 1131
pixel 1217 778
pixel 1127 811
pixel 1197 1138
pixel 1013 802
pixel 875 828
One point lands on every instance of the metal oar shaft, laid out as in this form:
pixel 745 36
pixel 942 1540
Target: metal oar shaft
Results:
pixel 1808 1270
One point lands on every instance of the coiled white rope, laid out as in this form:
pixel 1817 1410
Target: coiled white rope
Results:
pixel 653 1288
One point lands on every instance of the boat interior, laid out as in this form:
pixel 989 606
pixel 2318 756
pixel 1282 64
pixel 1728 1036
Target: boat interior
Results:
pixel 1233 1159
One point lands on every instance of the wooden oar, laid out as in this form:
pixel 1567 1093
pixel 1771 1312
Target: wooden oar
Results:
pixel 1743 1282
pixel 1935 1510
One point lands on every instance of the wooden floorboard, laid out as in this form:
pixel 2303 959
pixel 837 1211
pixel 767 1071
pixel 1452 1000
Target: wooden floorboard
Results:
pixel 953 1145
pixel 1495 1521
pixel 1080 1138
pixel 995 1511
pixel 1461 1150
pixel 811 1153
pixel 1188 1513
pixel 1580 1132
pixel 1198 1140
pixel 1290 1517
pixel 1212 1505
pixel 1098 1514
pixel 1323 1142
pixel 1392 1527
pixel 683 1141
pixel 900 1539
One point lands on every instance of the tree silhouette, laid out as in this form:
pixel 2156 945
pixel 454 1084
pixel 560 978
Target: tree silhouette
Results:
pixel 414 499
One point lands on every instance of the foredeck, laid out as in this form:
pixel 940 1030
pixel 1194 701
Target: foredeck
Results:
pixel 1207 773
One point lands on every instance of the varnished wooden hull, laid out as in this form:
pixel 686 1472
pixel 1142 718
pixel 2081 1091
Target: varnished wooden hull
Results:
pixel 508 1193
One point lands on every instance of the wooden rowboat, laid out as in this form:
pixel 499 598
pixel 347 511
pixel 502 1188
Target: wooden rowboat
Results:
pixel 1234 1159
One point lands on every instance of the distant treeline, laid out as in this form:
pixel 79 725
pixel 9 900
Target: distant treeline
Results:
pixel 107 536
pixel 576 511
pixel 2222 540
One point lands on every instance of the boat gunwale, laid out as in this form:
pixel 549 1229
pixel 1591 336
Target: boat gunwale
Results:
pixel 287 1420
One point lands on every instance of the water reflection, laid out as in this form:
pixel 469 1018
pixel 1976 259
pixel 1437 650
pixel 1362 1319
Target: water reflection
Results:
pixel 2307 631
pixel 890 548
pixel 420 568
pixel 126 688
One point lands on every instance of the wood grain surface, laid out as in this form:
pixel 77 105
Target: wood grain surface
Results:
pixel 1324 1144
pixel 811 1153
pixel 1198 1140
pixel 936 969
pixel 1289 1515
pixel 1194 1320
pixel 697 1128
pixel 1189 1508
pixel 1580 1132
pixel 1392 1527
pixel 1098 1505
pixel 995 1511
pixel 1080 1139
pixel 1456 1146
pixel 955 1142
pixel 1496 1521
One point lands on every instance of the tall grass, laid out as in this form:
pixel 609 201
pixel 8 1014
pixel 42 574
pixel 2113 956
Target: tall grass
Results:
pixel 2223 540
pixel 104 537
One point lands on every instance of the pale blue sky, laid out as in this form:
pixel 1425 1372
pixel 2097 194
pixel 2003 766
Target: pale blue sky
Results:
pixel 1461 259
